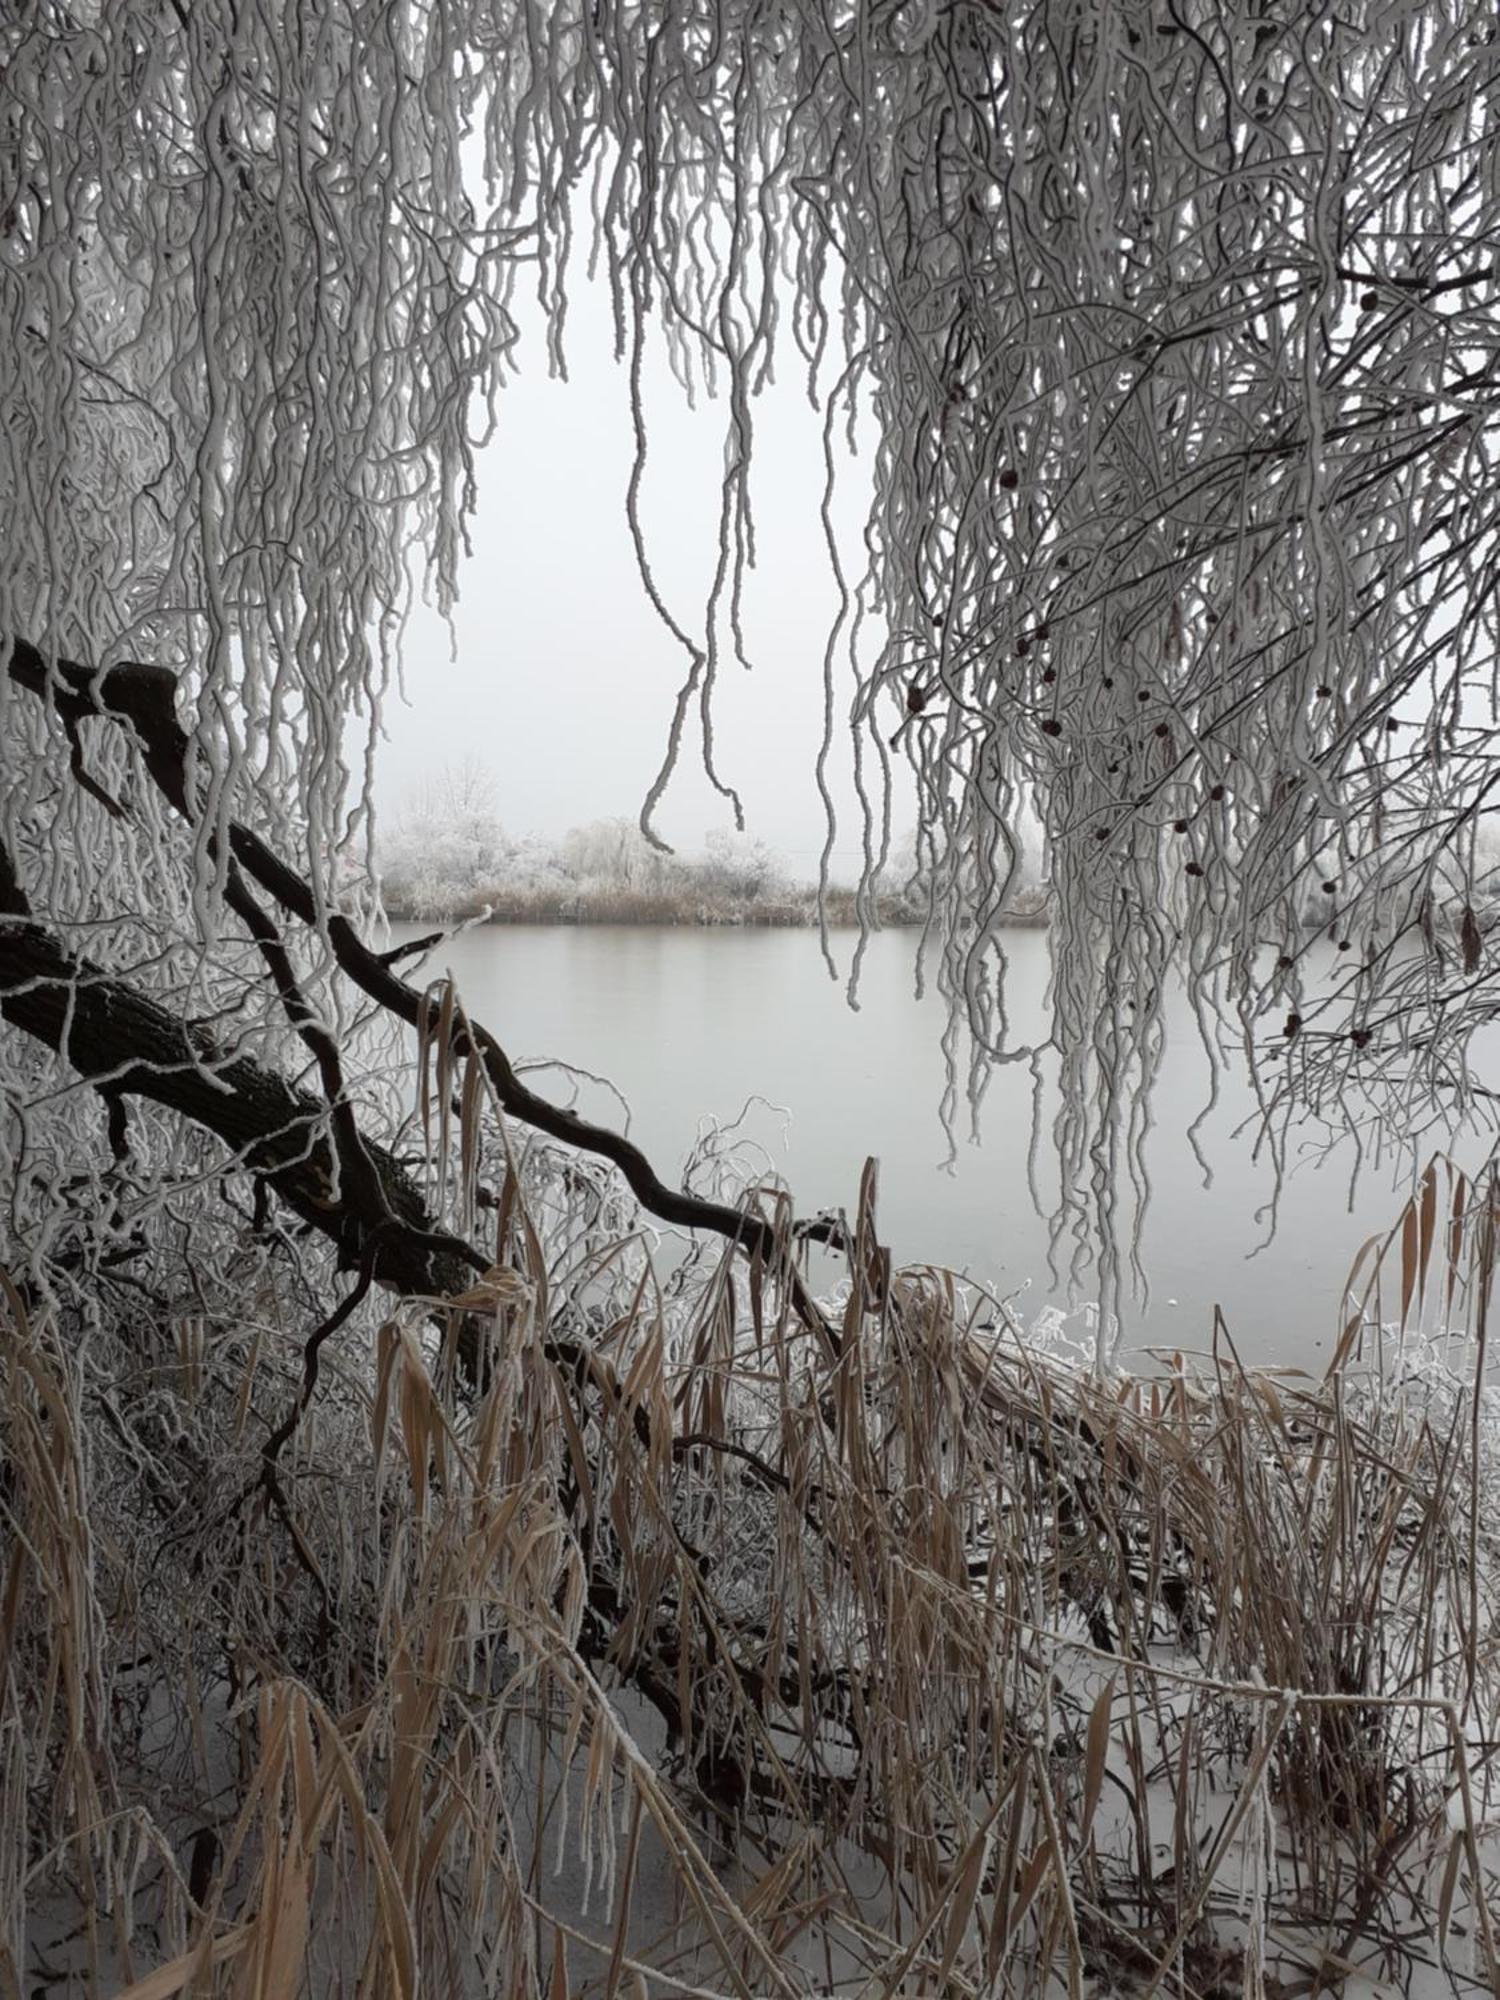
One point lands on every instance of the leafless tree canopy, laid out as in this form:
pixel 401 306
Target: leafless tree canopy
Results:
pixel 1176 325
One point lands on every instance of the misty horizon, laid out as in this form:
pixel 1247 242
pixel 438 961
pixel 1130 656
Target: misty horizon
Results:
pixel 554 640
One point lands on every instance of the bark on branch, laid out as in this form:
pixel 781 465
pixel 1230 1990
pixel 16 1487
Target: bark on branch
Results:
pixel 309 1149
pixel 117 1037
pixel 143 698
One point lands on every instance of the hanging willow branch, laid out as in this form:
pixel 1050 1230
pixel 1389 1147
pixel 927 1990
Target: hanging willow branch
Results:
pixel 1175 327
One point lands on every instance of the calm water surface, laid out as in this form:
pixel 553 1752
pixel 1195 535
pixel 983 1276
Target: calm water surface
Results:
pixel 698 1025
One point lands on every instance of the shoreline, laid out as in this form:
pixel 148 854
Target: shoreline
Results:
pixel 649 913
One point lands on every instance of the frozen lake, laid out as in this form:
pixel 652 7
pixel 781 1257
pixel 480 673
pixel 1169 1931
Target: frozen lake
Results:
pixel 694 1025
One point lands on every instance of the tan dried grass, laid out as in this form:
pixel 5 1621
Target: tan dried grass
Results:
pixel 932 1666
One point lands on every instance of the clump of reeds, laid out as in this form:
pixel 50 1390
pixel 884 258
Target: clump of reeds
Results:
pixel 593 1635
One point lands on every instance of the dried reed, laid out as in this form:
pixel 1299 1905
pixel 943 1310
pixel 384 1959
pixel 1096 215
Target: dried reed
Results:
pixel 676 1650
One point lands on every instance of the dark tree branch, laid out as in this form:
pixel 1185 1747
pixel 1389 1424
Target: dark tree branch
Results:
pixel 81 773
pixel 118 1126
pixel 354 1160
pixel 120 1039
pixel 313 1348
pixel 412 948
pixel 124 1042
pixel 144 698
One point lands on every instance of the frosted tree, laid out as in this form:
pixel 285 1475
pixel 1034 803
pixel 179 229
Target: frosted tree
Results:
pixel 1176 327
pixel 447 843
pixel 1177 330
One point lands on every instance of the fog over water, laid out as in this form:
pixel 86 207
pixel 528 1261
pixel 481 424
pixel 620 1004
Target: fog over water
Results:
pixel 560 688
pixel 558 678
pixel 699 1024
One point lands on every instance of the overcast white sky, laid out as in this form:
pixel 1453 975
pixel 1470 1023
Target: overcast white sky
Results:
pixel 564 679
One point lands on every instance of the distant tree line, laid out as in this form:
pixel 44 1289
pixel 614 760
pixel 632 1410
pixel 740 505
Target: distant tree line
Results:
pixel 449 856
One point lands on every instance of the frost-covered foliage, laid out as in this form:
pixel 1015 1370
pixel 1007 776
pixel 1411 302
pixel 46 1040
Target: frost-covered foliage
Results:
pixel 1176 329
pixel 690 1646
pixel 245 341
pixel 445 859
pixel 248 336
pixel 446 844
pixel 1176 334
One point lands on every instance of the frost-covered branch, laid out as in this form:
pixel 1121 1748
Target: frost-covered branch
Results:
pixel 1174 333
pixel 142 698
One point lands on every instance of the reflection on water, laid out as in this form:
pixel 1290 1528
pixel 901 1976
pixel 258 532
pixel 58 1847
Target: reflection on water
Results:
pixel 723 1025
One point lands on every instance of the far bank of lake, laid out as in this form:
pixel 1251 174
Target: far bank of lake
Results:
pixel 794 910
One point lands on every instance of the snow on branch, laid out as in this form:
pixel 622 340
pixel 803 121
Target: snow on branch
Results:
pixel 1177 333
